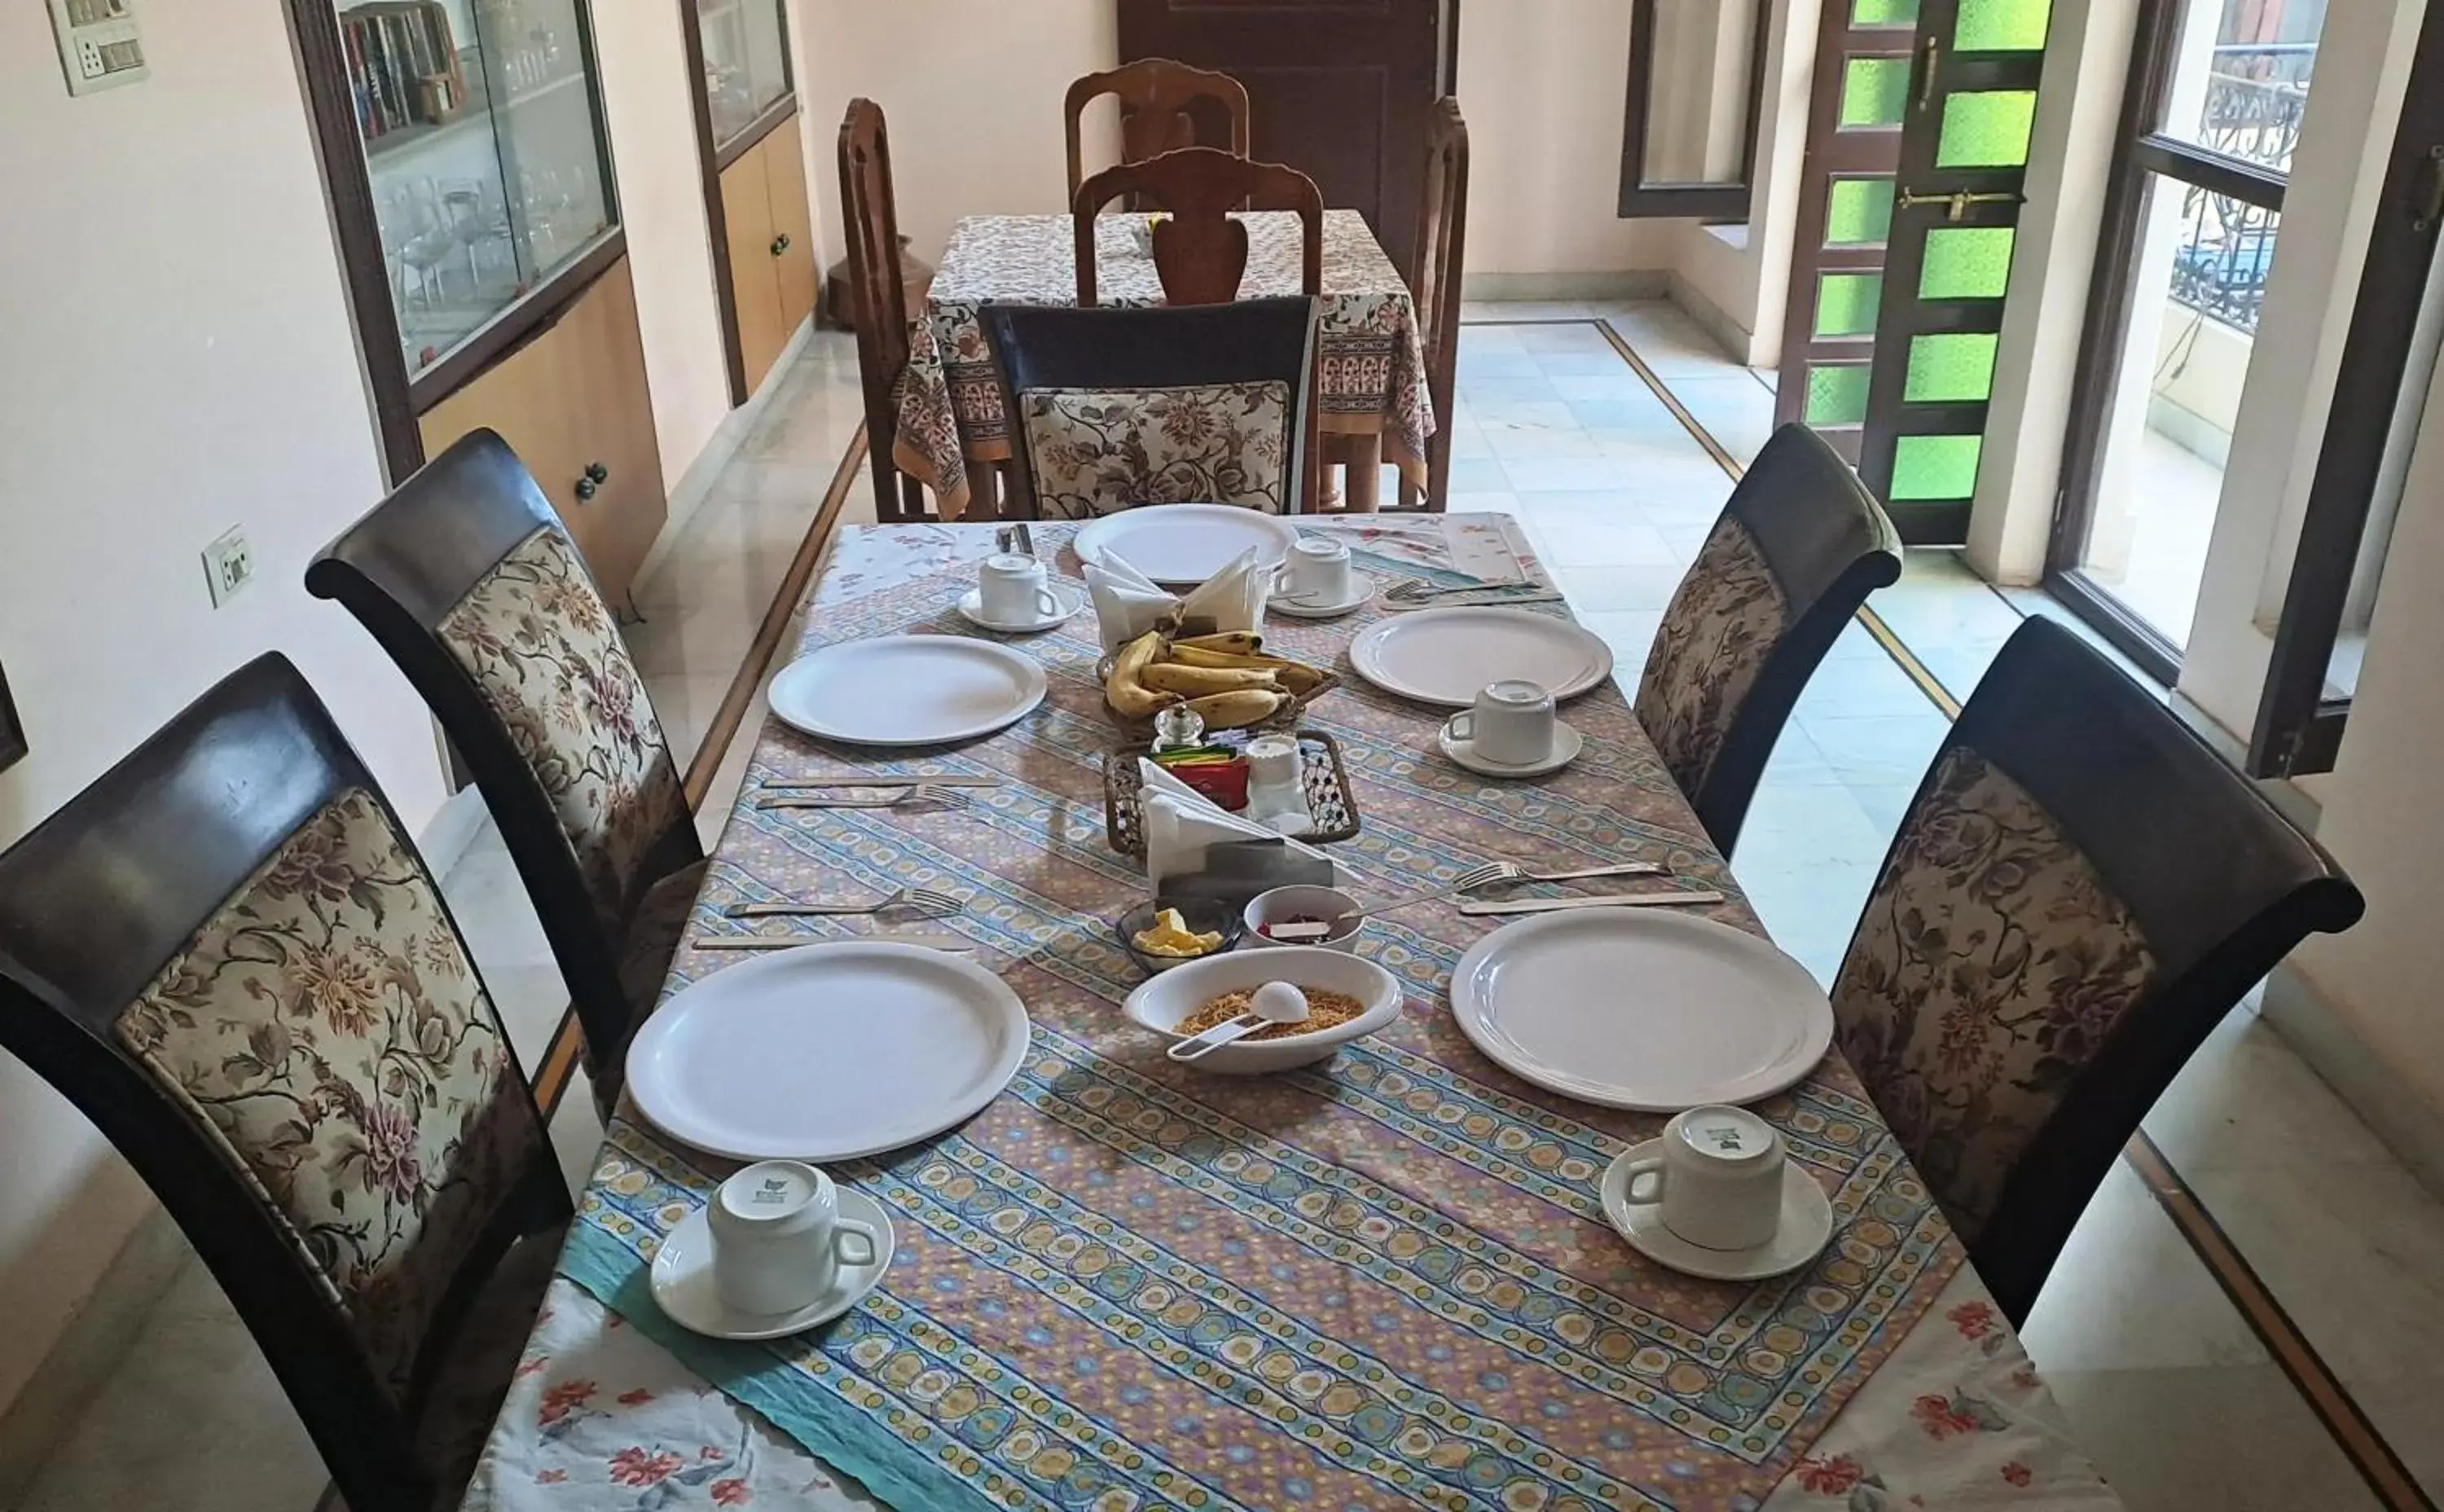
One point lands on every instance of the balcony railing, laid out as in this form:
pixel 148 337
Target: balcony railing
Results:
pixel 2254 101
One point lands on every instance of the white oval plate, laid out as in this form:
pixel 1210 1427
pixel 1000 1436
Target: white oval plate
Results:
pixel 1642 1009
pixel 684 1284
pixel 908 690
pixel 1447 656
pixel 1180 545
pixel 827 1052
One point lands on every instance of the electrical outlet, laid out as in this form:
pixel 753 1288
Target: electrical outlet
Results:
pixel 100 46
pixel 229 565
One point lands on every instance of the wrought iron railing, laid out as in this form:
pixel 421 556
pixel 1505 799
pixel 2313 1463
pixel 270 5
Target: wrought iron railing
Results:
pixel 2255 97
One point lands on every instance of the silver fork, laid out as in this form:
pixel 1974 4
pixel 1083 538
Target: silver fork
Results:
pixel 1619 869
pixel 1418 590
pixel 923 901
pixel 1476 877
pixel 938 794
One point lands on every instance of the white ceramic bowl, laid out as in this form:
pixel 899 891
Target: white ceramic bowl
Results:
pixel 1283 904
pixel 1160 1002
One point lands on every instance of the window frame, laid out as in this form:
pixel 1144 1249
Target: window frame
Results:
pixel 1718 202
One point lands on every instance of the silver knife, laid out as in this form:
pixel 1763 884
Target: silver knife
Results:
pixel 818 785
pixel 933 939
pixel 1626 900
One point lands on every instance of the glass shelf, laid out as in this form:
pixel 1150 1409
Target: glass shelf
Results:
pixel 483 143
pixel 746 62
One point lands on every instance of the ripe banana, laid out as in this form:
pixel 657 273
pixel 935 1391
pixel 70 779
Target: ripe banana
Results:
pixel 1125 688
pixel 1241 642
pixel 1236 711
pixel 1189 655
pixel 1198 682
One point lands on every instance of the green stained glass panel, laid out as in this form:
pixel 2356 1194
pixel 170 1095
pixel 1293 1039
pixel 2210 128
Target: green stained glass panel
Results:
pixel 1950 367
pixel 1935 467
pixel 2002 26
pixel 1859 212
pixel 1836 396
pixel 1846 303
pixel 1986 128
pixel 1884 13
pixel 1874 91
pixel 1966 261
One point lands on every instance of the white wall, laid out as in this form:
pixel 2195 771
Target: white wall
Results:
pixel 177 359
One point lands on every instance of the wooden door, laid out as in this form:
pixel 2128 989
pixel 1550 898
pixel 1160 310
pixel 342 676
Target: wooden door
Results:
pixel 754 292
pixel 793 226
pixel 1339 89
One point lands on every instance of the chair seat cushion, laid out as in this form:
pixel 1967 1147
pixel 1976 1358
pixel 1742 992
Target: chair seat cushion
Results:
pixel 1099 450
pixel 484 1355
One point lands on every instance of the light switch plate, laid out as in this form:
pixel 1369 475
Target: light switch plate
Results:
pixel 100 48
pixel 229 565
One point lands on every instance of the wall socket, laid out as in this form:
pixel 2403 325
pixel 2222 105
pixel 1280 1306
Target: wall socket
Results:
pixel 229 565
pixel 100 48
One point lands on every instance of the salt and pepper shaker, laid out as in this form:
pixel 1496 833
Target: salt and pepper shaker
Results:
pixel 1276 794
pixel 1177 728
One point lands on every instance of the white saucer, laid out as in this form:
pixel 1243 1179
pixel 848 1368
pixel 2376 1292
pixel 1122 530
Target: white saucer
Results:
pixel 1362 588
pixel 1567 743
pixel 1806 1226
pixel 683 1279
pixel 971 606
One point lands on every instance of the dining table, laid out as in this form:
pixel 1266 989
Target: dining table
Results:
pixel 1384 1280
pixel 1370 359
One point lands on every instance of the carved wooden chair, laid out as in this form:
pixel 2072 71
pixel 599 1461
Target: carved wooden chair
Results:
pixel 465 578
pixel 228 956
pixel 1199 251
pixel 1435 283
pixel 870 221
pixel 1114 408
pixel 2078 895
pixel 1157 95
pixel 1797 549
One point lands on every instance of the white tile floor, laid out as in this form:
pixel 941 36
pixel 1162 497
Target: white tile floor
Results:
pixel 2169 1389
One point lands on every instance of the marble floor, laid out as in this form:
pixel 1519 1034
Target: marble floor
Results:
pixel 2172 1391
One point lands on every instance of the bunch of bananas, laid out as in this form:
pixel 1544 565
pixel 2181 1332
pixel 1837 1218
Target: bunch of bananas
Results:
pixel 1226 678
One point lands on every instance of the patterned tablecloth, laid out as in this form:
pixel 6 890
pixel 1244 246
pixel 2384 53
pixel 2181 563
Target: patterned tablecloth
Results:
pixel 1381 1281
pixel 1372 375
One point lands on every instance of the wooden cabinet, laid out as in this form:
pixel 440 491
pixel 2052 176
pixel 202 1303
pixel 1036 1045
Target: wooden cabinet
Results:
pixel 573 404
pixel 769 239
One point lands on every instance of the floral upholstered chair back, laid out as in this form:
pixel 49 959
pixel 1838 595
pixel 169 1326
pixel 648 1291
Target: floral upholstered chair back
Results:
pixel 328 1036
pixel 543 646
pixel 1095 451
pixel 1719 632
pixel 1989 967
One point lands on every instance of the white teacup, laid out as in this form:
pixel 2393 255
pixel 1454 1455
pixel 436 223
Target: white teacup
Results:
pixel 1317 571
pixel 1013 589
pixel 1719 1178
pixel 778 1238
pixel 1512 723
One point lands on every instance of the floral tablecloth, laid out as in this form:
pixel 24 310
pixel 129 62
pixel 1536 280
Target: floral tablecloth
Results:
pixel 1371 369
pixel 1382 1282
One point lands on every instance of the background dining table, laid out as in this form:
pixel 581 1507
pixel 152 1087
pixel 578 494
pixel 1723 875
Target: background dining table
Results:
pixel 1384 1280
pixel 1370 378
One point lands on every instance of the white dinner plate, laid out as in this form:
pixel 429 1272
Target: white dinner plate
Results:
pixel 908 690
pixel 1801 1233
pixel 1180 545
pixel 827 1051
pixel 683 1286
pixel 1639 1008
pixel 1447 656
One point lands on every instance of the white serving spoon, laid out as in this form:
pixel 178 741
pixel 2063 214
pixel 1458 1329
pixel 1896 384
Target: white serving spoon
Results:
pixel 1273 1002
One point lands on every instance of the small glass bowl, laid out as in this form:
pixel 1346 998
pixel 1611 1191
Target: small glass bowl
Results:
pixel 1203 917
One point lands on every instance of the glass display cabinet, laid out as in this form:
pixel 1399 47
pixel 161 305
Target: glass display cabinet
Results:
pixel 755 181
pixel 746 65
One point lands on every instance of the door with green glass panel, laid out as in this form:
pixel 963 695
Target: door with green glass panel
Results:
pixel 1865 47
pixel 1964 157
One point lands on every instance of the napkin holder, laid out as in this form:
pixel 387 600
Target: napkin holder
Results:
pixel 1236 871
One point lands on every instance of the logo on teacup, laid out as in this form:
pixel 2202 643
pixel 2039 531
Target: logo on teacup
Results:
pixel 775 1190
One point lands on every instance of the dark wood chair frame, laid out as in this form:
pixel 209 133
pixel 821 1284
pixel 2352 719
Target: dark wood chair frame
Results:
pixel 1434 285
pixel 1199 251
pixel 401 570
pixel 2219 882
pixel 1155 94
pixel 879 300
pixel 1037 346
pixel 93 904
pixel 1829 544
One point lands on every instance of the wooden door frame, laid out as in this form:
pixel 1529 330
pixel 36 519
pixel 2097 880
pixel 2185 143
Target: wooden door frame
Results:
pixel 713 159
pixel 1711 202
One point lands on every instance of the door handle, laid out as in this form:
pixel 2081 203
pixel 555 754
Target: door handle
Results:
pixel 1932 54
pixel 1957 202
pixel 780 243
pixel 591 483
pixel 2427 203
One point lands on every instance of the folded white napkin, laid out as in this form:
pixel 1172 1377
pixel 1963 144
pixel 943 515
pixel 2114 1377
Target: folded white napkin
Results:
pixel 1182 823
pixel 1128 603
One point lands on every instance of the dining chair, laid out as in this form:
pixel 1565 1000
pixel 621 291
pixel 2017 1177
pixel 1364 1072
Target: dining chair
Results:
pixel 1113 408
pixel 229 956
pixel 1199 251
pixel 2079 891
pixel 1793 554
pixel 878 298
pixel 1434 285
pixel 1155 95
pixel 465 578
